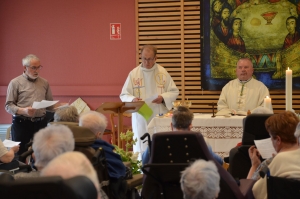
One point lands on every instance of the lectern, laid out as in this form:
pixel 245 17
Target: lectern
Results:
pixel 120 108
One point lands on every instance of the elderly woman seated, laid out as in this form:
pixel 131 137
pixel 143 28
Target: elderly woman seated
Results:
pixel 97 122
pixel 200 180
pixel 72 164
pixel 47 144
pixel 7 156
pixel 66 114
pixel 286 163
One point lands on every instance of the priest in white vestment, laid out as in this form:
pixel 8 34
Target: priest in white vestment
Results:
pixel 244 93
pixel 145 81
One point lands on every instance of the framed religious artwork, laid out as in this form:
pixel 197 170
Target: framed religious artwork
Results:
pixel 266 31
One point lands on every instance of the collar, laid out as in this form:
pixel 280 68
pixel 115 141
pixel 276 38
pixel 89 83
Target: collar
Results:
pixel 148 70
pixel 28 78
pixel 245 81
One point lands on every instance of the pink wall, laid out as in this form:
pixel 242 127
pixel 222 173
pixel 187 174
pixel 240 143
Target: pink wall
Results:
pixel 71 37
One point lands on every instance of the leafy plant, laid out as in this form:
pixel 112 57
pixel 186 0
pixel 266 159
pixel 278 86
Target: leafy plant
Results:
pixel 129 156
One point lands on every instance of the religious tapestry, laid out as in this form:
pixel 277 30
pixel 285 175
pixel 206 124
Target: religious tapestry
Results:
pixel 266 31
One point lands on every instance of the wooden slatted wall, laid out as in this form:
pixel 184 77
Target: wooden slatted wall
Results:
pixel 173 26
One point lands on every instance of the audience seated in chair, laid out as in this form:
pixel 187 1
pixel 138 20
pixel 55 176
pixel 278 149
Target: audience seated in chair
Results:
pixel 72 164
pixel 181 121
pixel 5 155
pixel 200 180
pixel 286 163
pixel 97 122
pixel 47 144
pixel 66 114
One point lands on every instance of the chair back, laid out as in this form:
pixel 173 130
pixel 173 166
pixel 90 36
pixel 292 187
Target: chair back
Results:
pixel 171 153
pixel 254 128
pixel 83 136
pixel 54 187
pixel 279 188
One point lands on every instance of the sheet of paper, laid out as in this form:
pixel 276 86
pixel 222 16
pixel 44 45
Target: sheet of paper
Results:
pixel 150 99
pixel 265 148
pixel 43 104
pixel 9 143
pixel 145 111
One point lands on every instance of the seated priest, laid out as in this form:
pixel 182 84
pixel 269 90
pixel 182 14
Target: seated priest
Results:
pixel 244 93
pixel 181 121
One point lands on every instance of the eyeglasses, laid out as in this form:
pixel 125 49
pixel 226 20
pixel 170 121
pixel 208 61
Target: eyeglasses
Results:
pixel 148 60
pixel 35 68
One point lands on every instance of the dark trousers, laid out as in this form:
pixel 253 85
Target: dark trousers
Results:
pixel 22 130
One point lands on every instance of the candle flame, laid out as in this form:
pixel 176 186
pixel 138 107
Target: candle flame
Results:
pixel 288 68
pixel 267 96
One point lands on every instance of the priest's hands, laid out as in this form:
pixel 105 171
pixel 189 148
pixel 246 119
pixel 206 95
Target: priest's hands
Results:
pixel 136 99
pixel 158 100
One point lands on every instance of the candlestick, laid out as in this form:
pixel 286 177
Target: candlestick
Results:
pixel 288 89
pixel 267 103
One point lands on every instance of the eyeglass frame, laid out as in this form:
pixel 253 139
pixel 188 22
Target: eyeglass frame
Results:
pixel 35 68
pixel 148 60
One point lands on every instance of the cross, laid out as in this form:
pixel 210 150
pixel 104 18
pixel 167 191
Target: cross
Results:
pixel 213 109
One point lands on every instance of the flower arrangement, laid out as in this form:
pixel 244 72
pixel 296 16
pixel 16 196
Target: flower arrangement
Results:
pixel 129 156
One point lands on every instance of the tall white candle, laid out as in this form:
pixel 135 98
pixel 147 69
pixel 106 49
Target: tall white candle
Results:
pixel 268 103
pixel 288 89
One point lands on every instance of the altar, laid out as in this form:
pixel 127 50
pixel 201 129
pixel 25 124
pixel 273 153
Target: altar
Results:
pixel 221 133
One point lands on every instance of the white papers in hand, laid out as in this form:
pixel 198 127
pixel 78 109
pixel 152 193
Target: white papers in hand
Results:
pixel 9 143
pixel 150 99
pixel 43 104
pixel 265 148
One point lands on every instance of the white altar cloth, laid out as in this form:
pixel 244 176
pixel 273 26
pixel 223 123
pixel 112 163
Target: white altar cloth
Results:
pixel 222 133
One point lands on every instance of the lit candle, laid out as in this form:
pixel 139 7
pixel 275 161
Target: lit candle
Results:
pixel 268 103
pixel 288 89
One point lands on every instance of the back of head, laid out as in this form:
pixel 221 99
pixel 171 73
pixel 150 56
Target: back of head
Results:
pixel 69 165
pixel 200 180
pixel 51 142
pixel 94 121
pixel 283 125
pixel 66 114
pixel 182 118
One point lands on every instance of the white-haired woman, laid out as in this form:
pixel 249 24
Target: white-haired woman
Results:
pixel 200 180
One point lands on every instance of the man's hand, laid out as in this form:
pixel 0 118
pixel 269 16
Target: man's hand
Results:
pixel 254 156
pixel 136 99
pixel 158 100
pixel 28 111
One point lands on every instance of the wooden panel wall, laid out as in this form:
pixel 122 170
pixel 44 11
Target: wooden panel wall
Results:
pixel 174 27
